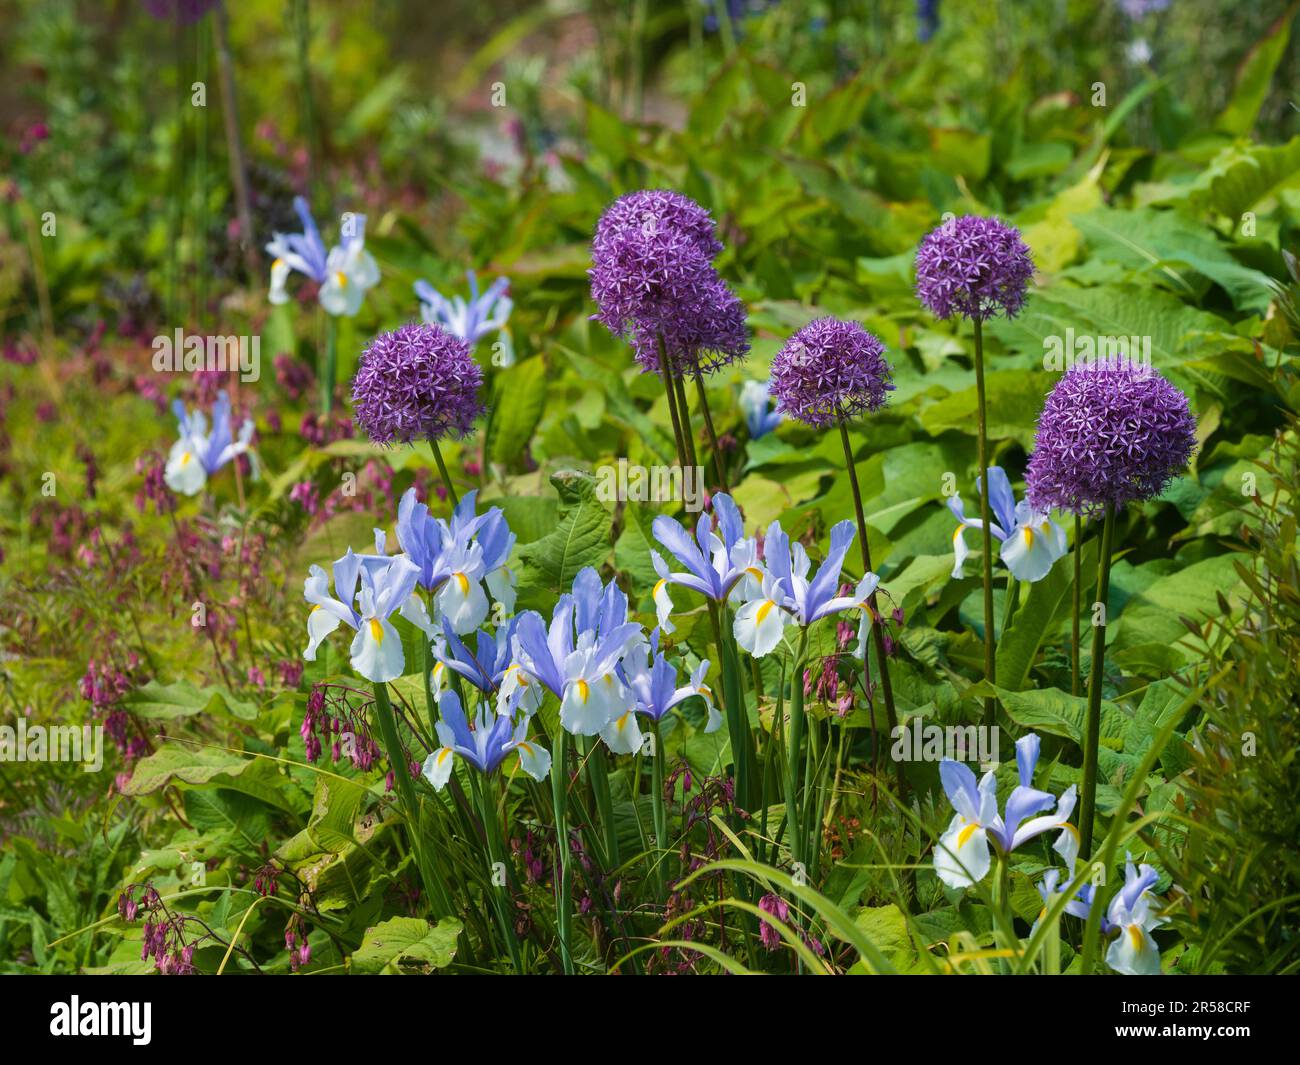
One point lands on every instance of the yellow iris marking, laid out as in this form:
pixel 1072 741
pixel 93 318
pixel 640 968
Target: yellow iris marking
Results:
pixel 1135 934
pixel 764 609
pixel 277 264
pixel 706 691
pixel 185 458
pixel 966 834
pixel 956 533
pixel 754 572
pixel 621 723
pixel 463 581
pixel 376 630
pixel 1029 536
pixel 341 278
pixel 659 585
pixel 315 607
pixel 442 755
pixel 527 748
pixel 1074 832
pixel 584 689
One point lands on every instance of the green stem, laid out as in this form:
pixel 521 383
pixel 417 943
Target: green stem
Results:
pixel 713 436
pixel 877 621
pixel 1096 671
pixel 1009 607
pixel 442 470
pixel 433 885
pixel 684 413
pixel 793 742
pixel 598 767
pixel 559 805
pixel 660 814
pixel 485 791
pixel 430 702
pixel 1077 601
pixel 986 532
pixel 665 374
pixel 737 718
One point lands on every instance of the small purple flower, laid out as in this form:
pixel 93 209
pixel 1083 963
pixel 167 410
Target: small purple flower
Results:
pixel 1136 9
pixel 830 370
pixel 778 908
pixel 974 267
pixel 182 11
pixel 1108 435
pixel 417 383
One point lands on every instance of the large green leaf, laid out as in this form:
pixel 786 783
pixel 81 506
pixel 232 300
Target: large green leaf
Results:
pixel 407 945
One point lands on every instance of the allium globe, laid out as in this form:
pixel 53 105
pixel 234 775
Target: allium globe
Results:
pixel 975 267
pixel 417 383
pixel 652 279
pixel 1109 435
pixel 830 370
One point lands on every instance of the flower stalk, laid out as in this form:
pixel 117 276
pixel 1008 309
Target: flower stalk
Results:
pixel 1096 671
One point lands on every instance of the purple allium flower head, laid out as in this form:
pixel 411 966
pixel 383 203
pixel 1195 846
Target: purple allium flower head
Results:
pixel 656 210
pixel 1108 434
pixel 416 383
pixel 974 267
pixel 652 278
pixel 830 370
pixel 1136 9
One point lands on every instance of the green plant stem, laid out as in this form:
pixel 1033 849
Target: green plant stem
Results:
pixel 877 621
pixel 234 142
pixel 426 667
pixel 986 533
pixel 737 718
pixel 559 808
pixel 1009 607
pixel 442 470
pixel 658 805
pixel 485 791
pixel 713 436
pixel 684 412
pixel 329 364
pixel 1096 672
pixel 794 741
pixel 665 374
pixel 1077 602
pixel 387 722
pixel 598 768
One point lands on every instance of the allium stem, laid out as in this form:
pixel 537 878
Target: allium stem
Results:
pixel 1096 670
pixel 877 621
pixel 559 807
pixel 1077 602
pixel 387 722
pixel 684 412
pixel 665 374
pixel 986 534
pixel 442 469
pixel 713 436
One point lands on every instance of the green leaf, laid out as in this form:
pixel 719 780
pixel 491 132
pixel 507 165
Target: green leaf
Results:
pixel 1048 601
pixel 407 944
pixel 1052 710
pixel 182 699
pixel 1254 77
pixel 522 400
pixel 580 537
